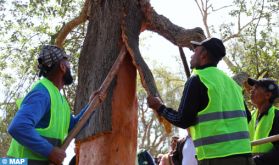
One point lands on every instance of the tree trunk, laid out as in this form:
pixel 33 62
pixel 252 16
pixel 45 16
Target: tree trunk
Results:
pixel 110 135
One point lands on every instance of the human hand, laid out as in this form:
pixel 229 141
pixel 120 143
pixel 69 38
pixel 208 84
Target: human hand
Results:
pixel 93 94
pixel 57 155
pixel 99 94
pixel 154 102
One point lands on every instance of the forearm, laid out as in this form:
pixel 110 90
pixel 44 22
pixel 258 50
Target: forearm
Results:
pixel 174 117
pixel 75 119
pixel 177 118
pixel 194 99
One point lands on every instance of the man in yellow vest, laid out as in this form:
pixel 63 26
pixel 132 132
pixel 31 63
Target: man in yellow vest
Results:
pixel 212 106
pixel 265 120
pixel 44 118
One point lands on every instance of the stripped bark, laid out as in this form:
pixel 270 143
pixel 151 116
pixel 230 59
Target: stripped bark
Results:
pixel 147 78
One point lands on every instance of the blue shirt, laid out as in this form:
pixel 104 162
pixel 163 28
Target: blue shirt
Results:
pixel 35 113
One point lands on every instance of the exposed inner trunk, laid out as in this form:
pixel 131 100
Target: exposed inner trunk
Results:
pixel 119 145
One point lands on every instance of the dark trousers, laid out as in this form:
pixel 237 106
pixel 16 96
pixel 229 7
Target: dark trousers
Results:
pixel 236 160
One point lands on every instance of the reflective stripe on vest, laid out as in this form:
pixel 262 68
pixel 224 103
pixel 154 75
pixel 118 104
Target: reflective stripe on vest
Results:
pixel 221 115
pixel 221 138
pixel 262 130
pixel 221 129
pixel 58 126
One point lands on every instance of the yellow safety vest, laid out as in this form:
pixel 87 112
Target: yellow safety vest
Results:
pixel 261 130
pixel 222 127
pixel 57 129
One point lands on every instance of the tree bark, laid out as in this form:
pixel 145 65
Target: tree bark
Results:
pixel 174 33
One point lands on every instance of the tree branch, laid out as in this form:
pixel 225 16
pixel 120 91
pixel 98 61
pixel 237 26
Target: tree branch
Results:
pixel 67 28
pixel 223 7
pixel 146 76
pixel 163 26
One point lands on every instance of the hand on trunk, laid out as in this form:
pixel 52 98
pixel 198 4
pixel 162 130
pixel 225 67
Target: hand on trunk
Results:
pixel 154 102
pixel 57 155
pixel 101 95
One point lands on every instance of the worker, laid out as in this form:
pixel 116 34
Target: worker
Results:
pixel 44 117
pixel 212 106
pixel 265 120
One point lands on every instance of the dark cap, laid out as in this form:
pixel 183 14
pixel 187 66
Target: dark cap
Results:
pixel 50 55
pixel 268 84
pixel 214 45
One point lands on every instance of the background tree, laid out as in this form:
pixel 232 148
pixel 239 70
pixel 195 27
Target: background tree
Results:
pixel 151 134
pixel 250 34
pixel 248 20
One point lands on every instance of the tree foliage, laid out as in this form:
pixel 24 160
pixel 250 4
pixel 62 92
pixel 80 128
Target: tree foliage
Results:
pixel 248 23
pixel 250 32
